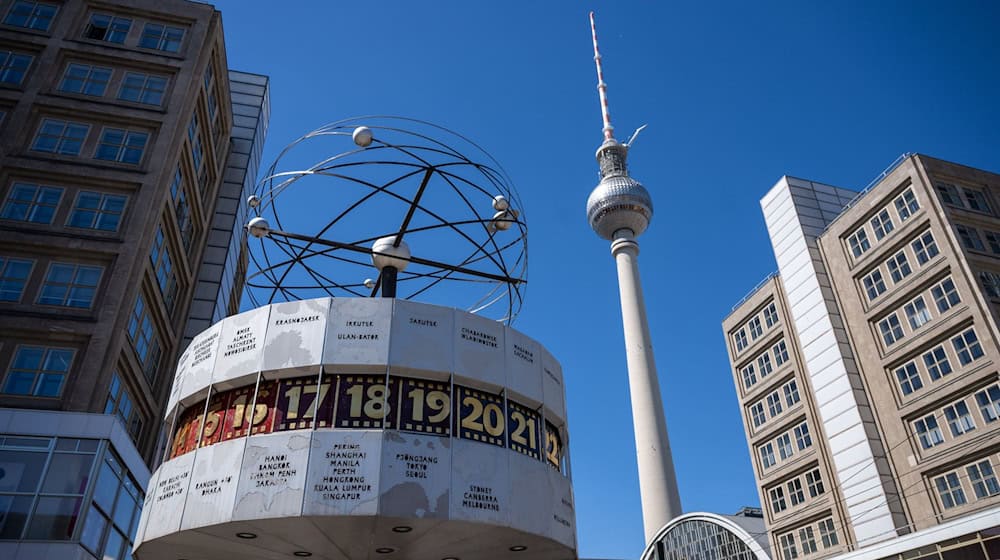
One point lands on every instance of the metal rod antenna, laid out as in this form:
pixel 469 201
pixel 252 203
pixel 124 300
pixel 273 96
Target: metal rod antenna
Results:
pixel 602 87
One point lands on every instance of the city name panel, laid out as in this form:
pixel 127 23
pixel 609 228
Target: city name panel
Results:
pixel 432 432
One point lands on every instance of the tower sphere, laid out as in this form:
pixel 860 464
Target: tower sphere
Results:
pixel 619 202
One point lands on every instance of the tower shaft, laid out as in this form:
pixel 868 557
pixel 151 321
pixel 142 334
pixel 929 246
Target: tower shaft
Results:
pixel 657 481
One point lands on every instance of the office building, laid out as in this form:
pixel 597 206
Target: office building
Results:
pixel 115 130
pixel 866 367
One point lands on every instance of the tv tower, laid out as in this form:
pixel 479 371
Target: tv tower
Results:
pixel 619 210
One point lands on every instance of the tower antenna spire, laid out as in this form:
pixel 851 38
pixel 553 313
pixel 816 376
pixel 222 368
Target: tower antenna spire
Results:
pixel 602 88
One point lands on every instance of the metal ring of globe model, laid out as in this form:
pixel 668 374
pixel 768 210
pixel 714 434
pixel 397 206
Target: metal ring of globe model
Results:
pixel 324 222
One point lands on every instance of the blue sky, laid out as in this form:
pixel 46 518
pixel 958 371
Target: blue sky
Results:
pixel 735 94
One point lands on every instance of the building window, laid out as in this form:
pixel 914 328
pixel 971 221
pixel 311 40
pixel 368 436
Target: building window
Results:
pixel 13 67
pixel 991 283
pixel 27 202
pixel 882 224
pixel 125 146
pixel 969 237
pixel 70 285
pixel 925 248
pixel 989 403
pixel 142 334
pixel 755 329
pixel 993 240
pixel 795 493
pixel 917 313
pixel 764 363
pixel 143 88
pixel 788 551
pixel 967 347
pixel 945 295
pixel 827 533
pixel 114 514
pixel 949 194
pixel 183 212
pixel 741 339
pixel 890 329
pixel 859 242
pixel 808 540
pixel 31 15
pixel 774 404
pixel 899 268
pixel 780 353
pixel 983 479
pixel 976 200
pixel 770 315
pixel 909 378
pixel 928 431
pixel 791 393
pixel 749 377
pixel 13 275
pixel 906 205
pixel 778 504
pixel 163 267
pixel 874 284
pixel 161 37
pixel 100 211
pixel 85 79
pixel 767 455
pixel 120 403
pixel 60 137
pixel 802 437
pixel 757 413
pixel 814 481
pixel 937 363
pixel 949 488
pixel 38 371
pixel 784 446
pixel 104 27
pixel 959 418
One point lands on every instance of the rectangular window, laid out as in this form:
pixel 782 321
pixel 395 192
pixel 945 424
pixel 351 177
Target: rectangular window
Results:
pixel 85 79
pixel 788 550
pixel 937 363
pixel 767 456
pixel 925 248
pixel 969 237
pixel 959 418
pixel 795 493
pixel 143 88
pixel 774 404
pixel 949 194
pixel 983 479
pixel 120 403
pixel 70 285
pixel 125 146
pixel 104 27
pixel 917 313
pixel 755 329
pixel 100 211
pixel 60 137
pixel 899 268
pixel 749 376
pixel 882 224
pixel 791 393
pixel 142 334
pixel 764 363
pixel 814 481
pixel 27 202
pixel 161 37
pixel 874 284
pixel 38 371
pixel 975 200
pixel 181 208
pixel 13 276
pixel 780 353
pixel 928 431
pixel 967 347
pixel 891 329
pixel 859 242
pixel 993 240
pixel 784 446
pixel 164 268
pixel 194 138
pixel 778 504
pixel 31 15
pixel 949 488
pixel 909 378
pixel 906 205
pixel 827 533
pixel 741 339
pixel 802 437
pixel 808 540
pixel 991 284
pixel 13 67
pixel 770 315
pixel 989 403
pixel 757 413
pixel 945 295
